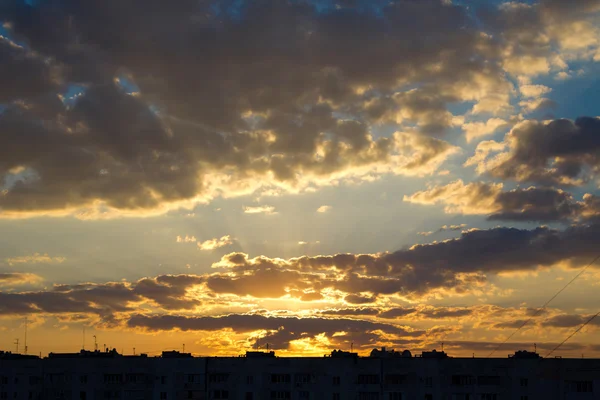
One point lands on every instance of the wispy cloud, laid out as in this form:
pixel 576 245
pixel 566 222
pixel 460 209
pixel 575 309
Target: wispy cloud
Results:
pixel 186 239
pixel 323 209
pixel 36 258
pixel 18 279
pixel 268 210
pixel 215 243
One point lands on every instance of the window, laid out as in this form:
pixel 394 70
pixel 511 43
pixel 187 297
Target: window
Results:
pixel 580 386
pixel 335 396
pixel 488 396
pixel 250 379
pixel 218 378
pixel 163 395
pixel 163 380
pixel 303 394
pixel 197 378
pixel 462 380
pixel 280 395
pixel 220 394
pixel 83 379
pixel 488 381
pixel 368 396
pixel 395 379
pixel 113 378
pixel 368 379
pixel 34 380
pixel 395 396
pixel 429 381
pixel 524 382
pixel 336 380
pixel 280 378
pixel 302 378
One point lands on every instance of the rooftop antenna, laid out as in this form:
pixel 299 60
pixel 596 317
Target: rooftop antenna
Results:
pixel 134 351
pixel 17 343
pixel 95 343
pixel 183 348
pixel 442 347
pixel 26 321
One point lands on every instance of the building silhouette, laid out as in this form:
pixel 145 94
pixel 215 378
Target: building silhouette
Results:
pixel 384 375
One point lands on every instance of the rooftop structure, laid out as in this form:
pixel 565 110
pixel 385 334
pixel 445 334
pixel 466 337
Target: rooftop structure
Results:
pixel 385 375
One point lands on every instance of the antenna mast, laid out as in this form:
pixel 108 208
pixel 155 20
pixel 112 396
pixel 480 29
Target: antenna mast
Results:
pixel 95 343
pixel 17 343
pixel 26 321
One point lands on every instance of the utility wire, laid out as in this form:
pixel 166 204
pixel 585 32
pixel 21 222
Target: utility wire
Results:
pixel 574 333
pixel 545 305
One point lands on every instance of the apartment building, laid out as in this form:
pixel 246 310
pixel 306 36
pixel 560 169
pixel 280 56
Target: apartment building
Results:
pixel 385 375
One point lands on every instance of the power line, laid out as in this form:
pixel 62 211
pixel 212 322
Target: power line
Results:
pixel 574 333
pixel 545 305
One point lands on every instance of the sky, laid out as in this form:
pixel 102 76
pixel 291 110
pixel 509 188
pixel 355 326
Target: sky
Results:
pixel 311 175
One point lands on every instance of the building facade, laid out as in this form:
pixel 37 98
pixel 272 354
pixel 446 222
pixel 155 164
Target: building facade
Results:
pixel 263 376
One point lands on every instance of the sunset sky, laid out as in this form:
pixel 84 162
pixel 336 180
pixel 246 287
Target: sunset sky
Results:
pixel 305 173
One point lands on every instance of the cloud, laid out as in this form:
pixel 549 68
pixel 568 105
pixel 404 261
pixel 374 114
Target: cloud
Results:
pixel 186 239
pixel 530 204
pixel 281 331
pixel 360 299
pixel 215 243
pixel 560 152
pixel 268 210
pixel 444 228
pixel 104 299
pixel 350 311
pixel 186 134
pixel 569 321
pixel 36 258
pixel 18 279
pixel 323 209
pixel 534 91
pixel 475 130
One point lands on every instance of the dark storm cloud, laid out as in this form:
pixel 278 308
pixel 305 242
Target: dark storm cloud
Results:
pixel 286 329
pixel 252 95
